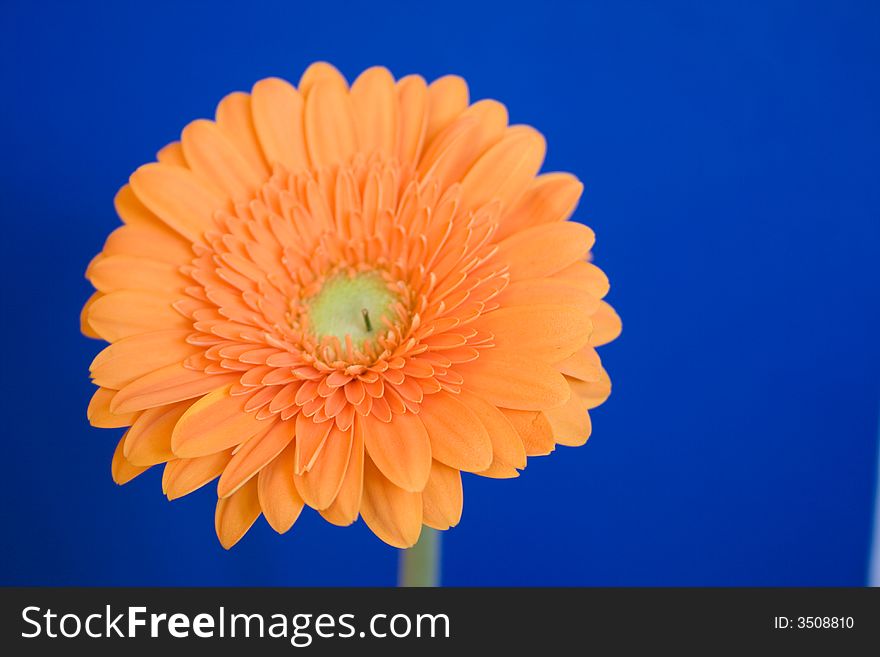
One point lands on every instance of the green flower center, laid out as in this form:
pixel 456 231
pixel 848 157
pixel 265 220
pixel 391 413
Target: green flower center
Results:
pixel 352 305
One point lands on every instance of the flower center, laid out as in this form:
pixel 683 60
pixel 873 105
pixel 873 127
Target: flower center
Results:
pixel 352 305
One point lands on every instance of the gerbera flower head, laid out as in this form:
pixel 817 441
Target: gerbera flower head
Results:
pixel 343 297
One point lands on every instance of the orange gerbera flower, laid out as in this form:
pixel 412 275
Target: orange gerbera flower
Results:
pixel 342 298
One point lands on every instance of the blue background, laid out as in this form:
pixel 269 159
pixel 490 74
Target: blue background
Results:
pixel 730 153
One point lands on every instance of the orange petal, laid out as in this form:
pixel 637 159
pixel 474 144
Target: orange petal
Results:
pixel 319 486
pixel 542 331
pixel 584 364
pixel 331 136
pixel 254 455
pixel 458 437
pixel 392 513
pixel 172 154
pixel 505 170
pixel 606 325
pixel 442 498
pixel 235 119
pixel 400 449
pixel 215 159
pixel 99 413
pixel 507 448
pixel 412 117
pixel 551 197
pixel 130 358
pixel 183 476
pixel 121 470
pixel 499 470
pixel 148 442
pixel 84 327
pixel 586 276
pixel 159 243
pixel 447 98
pixel 594 393
pixel 215 422
pixel 534 430
pixel 553 291
pixel 279 498
pixel 172 383
pixel 570 422
pixel 461 144
pixel 178 197
pixel 374 100
pixel 133 212
pixel 236 514
pixel 278 120
pixel 514 381
pixel 124 313
pixel 346 507
pixel 320 71
pixel 119 272
pixel 310 439
pixel 526 251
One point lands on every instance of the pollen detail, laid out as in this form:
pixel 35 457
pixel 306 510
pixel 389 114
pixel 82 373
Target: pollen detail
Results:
pixel 359 306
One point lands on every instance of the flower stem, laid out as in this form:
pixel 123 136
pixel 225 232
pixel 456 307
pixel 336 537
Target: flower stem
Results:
pixel 420 564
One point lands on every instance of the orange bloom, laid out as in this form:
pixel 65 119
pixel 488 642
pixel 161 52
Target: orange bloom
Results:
pixel 343 297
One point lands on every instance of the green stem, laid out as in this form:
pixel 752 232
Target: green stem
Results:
pixel 420 564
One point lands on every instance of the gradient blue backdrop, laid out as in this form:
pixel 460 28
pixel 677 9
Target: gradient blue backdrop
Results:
pixel 730 155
